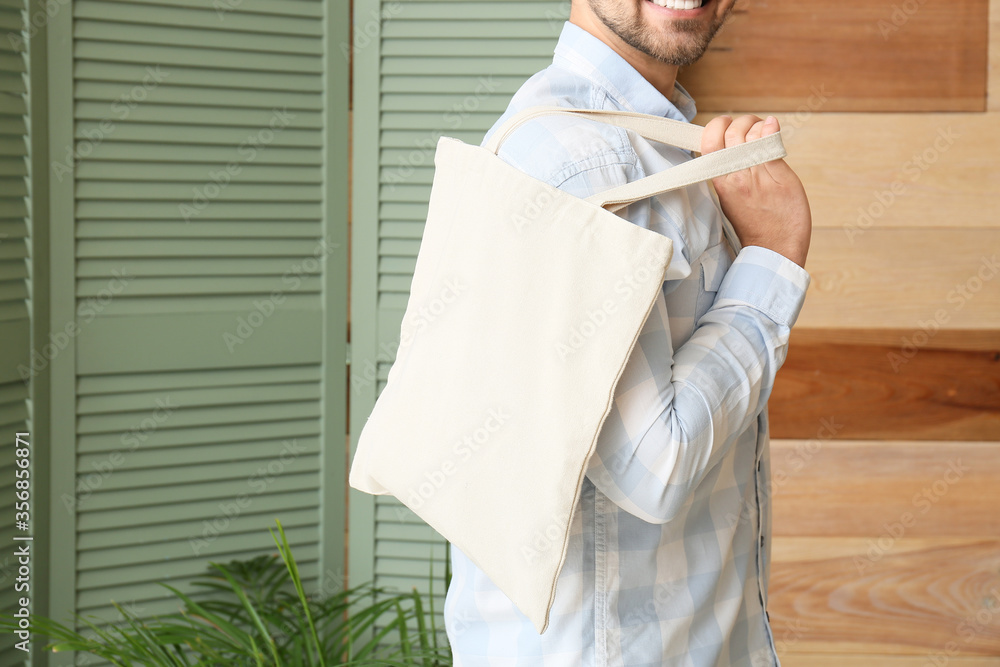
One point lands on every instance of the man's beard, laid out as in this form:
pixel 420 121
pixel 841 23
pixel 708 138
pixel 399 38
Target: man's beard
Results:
pixel 688 40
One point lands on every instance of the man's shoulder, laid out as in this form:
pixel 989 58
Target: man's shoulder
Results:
pixel 557 147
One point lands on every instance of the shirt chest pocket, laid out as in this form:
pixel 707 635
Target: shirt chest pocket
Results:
pixel 713 265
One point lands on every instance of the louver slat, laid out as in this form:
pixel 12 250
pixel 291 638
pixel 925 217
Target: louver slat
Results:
pixel 199 216
pixel 15 276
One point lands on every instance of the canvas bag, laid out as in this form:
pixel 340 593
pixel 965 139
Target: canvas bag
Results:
pixel 524 307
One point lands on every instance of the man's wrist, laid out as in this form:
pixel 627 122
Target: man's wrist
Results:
pixel 767 281
pixel 792 253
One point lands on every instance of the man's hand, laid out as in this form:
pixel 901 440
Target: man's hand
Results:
pixel 767 203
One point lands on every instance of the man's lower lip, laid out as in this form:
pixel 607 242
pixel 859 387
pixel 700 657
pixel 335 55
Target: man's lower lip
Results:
pixel 680 13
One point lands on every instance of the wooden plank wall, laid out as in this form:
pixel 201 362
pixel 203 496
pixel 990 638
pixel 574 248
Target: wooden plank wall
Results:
pixel 886 415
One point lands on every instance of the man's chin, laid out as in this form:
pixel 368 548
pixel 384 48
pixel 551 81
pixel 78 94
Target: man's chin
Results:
pixel 678 49
pixel 678 41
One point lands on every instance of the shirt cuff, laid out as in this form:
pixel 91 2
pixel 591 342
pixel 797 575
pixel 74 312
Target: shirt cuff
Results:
pixel 767 281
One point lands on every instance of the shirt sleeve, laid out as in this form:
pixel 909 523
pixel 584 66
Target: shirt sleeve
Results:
pixel 714 385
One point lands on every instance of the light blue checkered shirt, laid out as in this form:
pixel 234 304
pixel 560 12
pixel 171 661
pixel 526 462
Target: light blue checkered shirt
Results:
pixel 669 546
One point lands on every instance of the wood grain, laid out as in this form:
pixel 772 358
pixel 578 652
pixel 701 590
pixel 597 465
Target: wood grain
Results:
pixel 793 659
pixel 993 85
pixel 872 54
pixel 849 488
pixel 901 392
pixel 934 169
pixel 903 279
pixel 944 339
pixel 926 599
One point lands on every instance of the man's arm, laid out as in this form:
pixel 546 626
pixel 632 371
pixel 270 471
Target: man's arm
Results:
pixel 722 376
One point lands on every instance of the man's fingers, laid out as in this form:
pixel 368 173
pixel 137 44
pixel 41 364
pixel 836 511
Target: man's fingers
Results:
pixel 770 126
pixel 713 137
pixel 754 132
pixel 736 133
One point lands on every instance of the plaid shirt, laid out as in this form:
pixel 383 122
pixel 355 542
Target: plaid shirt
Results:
pixel 667 562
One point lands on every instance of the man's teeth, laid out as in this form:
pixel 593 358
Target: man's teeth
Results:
pixel 678 4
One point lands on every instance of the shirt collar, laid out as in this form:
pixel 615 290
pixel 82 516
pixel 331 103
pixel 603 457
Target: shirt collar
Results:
pixel 585 54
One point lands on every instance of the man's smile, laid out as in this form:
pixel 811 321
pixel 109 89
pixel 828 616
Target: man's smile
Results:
pixel 681 8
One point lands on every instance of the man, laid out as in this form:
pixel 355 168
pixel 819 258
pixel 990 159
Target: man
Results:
pixel 667 562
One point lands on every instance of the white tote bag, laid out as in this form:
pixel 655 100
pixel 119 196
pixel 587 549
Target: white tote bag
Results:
pixel 525 305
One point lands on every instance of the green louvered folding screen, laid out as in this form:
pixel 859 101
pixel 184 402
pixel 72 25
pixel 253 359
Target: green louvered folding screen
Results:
pixel 202 179
pixel 421 70
pixel 15 269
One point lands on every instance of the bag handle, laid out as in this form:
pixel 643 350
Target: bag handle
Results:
pixel 657 128
pixel 665 130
